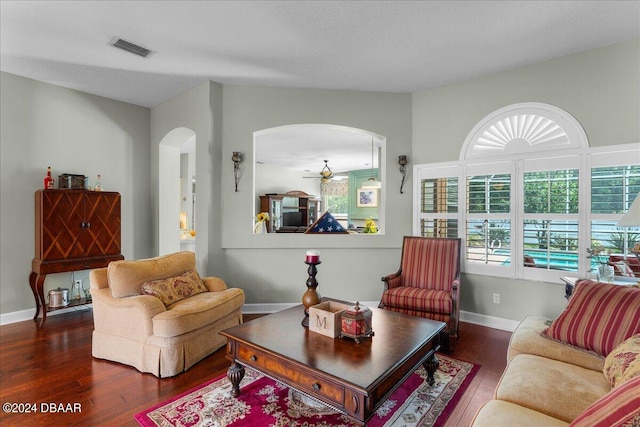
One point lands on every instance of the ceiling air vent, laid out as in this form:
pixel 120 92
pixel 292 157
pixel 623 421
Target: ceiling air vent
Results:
pixel 130 47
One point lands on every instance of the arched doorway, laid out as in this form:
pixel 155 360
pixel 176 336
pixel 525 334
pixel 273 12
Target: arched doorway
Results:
pixel 170 193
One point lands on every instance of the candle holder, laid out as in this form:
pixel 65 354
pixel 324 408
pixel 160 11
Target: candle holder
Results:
pixel 402 161
pixel 311 296
pixel 236 158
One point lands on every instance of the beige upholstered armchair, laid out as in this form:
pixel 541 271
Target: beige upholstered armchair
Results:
pixel 158 316
pixel 427 283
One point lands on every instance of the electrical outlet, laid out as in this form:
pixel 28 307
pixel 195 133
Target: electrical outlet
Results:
pixel 496 298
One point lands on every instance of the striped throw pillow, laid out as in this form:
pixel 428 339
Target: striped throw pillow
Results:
pixel 620 408
pixel 598 317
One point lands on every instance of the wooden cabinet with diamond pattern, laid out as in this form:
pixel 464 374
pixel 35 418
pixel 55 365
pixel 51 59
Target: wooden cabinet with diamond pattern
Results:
pixel 75 230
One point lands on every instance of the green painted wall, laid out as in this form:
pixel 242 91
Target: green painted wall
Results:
pixel 356 179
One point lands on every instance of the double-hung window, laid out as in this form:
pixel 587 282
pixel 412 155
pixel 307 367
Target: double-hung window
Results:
pixel 489 217
pixel 438 214
pixel 550 217
pixel 615 182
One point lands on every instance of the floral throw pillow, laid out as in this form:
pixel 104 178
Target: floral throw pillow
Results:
pixel 175 288
pixel 623 363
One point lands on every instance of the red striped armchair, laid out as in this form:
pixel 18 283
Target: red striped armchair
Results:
pixel 427 283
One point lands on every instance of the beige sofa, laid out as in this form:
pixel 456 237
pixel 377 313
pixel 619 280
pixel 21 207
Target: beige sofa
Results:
pixel 142 331
pixel 581 370
pixel 546 382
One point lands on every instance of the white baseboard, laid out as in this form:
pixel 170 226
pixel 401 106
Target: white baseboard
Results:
pixel 22 315
pixel 489 321
pixel 266 308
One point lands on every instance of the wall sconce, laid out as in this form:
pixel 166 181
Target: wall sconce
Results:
pixel 402 161
pixel 237 158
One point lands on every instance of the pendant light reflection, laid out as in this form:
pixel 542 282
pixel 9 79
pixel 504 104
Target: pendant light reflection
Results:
pixel 372 183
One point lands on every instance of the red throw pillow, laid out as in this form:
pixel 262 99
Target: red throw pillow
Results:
pixel 633 261
pixel 599 316
pixel 620 408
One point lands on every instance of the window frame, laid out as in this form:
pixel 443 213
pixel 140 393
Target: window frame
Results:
pixel 441 170
pixel 487 168
pixel 583 159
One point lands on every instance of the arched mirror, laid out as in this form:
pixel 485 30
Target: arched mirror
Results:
pixel 302 172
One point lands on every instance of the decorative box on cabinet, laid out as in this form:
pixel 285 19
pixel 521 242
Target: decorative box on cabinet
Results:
pixel 291 212
pixel 74 230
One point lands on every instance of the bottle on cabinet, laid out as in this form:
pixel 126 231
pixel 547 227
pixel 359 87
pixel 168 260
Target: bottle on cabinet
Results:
pixel 76 290
pixel 49 181
pixel 98 186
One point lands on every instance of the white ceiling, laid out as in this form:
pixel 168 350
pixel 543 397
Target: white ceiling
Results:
pixel 304 147
pixel 391 46
pixel 388 46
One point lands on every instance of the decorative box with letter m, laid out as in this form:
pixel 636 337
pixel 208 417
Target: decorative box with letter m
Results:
pixel 324 318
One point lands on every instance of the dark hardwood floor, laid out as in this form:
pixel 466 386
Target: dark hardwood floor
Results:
pixel 52 365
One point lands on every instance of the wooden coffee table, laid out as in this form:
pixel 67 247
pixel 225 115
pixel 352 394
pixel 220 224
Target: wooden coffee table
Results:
pixel 354 378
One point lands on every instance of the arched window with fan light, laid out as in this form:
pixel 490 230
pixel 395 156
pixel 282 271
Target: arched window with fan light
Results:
pixel 528 195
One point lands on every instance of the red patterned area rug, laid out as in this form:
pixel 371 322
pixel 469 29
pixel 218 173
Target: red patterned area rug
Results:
pixel 264 402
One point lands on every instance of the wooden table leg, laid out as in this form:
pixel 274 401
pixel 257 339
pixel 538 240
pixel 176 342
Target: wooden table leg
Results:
pixel 431 365
pixel 32 285
pixel 36 282
pixel 235 375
